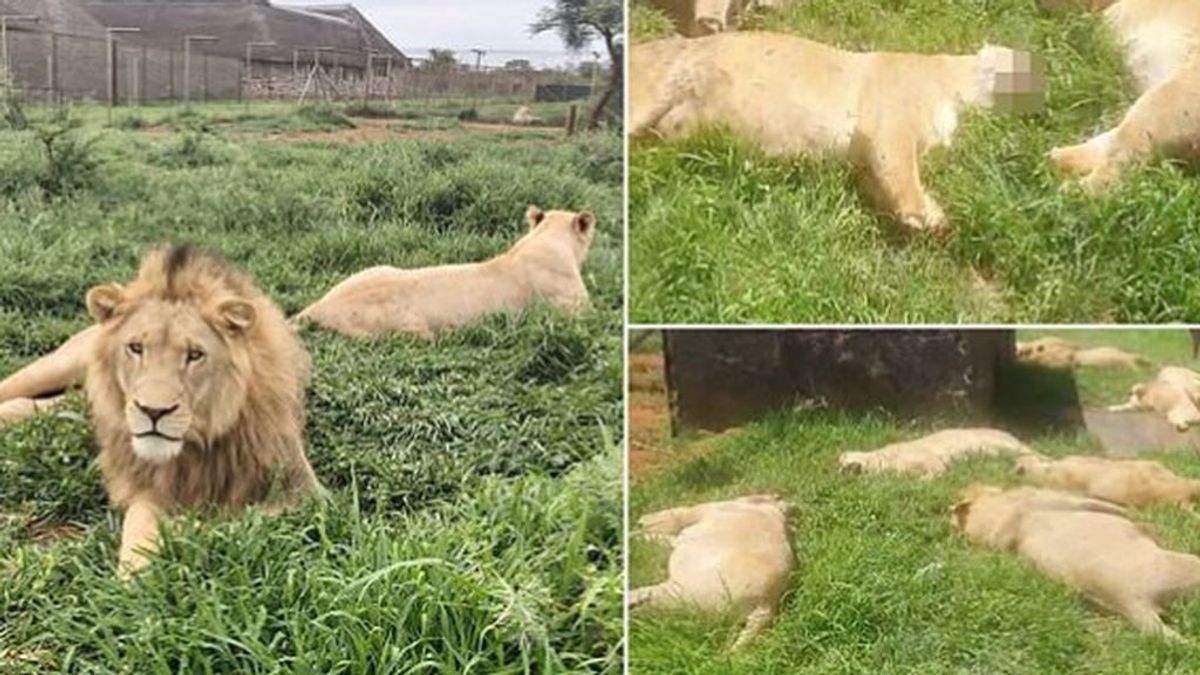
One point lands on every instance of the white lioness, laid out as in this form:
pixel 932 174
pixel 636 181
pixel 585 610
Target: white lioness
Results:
pixel 37 387
pixel 1085 543
pixel 1172 393
pixel 1055 352
pixel 793 96
pixel 725 556
pixel 931 455
pixel 543 265
pixel 1124 481
pixel 1161 43
pixel 696 18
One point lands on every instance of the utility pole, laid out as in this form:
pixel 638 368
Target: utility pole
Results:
pixel 479 58
pixel 187 62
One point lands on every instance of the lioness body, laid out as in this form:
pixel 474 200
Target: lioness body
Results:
pixel 1161 44
pixel 543 265
pixel 1085 543
pixel 1173 393
pixel 932 455
pixel 195 384
pixel 792 96
pixel 1122 481
pixel 1054 352
pixel 730 555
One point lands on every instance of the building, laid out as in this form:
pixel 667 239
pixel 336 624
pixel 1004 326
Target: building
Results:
pixel 197 48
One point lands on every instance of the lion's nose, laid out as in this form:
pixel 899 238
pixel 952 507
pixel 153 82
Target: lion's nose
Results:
pixel 156 414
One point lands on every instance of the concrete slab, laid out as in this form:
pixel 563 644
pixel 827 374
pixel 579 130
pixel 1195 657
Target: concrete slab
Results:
pixel 1129 434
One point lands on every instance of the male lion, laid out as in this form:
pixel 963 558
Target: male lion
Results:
pixel 542 265
pixel 195 384
pixel 729 555
pixel 1161 41
pixel 793 96
pixel 1086 543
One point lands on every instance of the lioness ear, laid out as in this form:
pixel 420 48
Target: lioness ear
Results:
pixel 584 222
pixel 960 511
pixel 237 315
pixel 534 215
pixel 102 301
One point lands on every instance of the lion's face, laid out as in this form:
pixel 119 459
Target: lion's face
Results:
pixel 176 366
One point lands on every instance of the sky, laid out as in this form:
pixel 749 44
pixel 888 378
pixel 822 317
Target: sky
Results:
pixel 499 26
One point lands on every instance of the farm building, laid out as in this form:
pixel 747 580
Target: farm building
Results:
pixel 64 52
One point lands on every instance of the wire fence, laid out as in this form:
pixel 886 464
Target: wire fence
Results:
pixel 55 68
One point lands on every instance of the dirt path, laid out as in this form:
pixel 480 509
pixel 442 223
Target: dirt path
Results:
pixel 376 130
pixel 649 420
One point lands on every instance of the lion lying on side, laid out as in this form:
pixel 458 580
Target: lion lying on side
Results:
pixel 1161 41
pixel 1057 353
pixel 729 555
pixel 1085 543
pixel 1172 393
pixel 543 265
pixel 195 384
pixel 1122 481
pixel 793 96
pixel 931 455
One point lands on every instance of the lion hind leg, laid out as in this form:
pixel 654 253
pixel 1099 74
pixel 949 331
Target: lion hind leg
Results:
pixel 756 622
pixel 17 409
pixel 56 372
pixel 658 596
pixel 893 175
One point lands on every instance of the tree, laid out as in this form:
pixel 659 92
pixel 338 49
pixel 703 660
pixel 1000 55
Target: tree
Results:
pixel 578 23
pixel 520 65
pixel 441 59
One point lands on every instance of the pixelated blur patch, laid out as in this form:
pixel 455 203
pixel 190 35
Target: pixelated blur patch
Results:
pixel 1019 84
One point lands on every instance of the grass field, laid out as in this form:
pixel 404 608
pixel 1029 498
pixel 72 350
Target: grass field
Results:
pixel 883 583
pixel 721 234
pixel 475 517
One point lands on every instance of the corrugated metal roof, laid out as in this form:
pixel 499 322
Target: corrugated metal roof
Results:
pixel 60 16
pixel 341 29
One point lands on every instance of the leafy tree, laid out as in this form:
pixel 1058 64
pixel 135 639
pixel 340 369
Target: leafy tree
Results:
pixel 441 59
pixel 520 65
pixel 578 23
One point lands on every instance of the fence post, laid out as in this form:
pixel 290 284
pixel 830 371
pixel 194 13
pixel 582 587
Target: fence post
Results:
pixel 51 66
pixel 571 114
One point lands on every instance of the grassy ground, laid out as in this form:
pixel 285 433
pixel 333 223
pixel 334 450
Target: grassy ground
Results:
pixel 883 582
pixel 719 233
pixel 475 519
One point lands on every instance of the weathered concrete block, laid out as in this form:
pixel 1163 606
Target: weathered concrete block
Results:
pixel 722 378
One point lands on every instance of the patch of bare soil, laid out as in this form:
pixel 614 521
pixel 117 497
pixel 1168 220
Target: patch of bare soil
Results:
pixel 377 130
pixel 649 420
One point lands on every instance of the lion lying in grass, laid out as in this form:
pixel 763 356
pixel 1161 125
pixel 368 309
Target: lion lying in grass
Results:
pixel 1172 393
pixel 1122 481
pixel 1085 543
pixel 731 555
pixel 543 265
pixel 1161 43
pixel 1057 353
pixel 195 384
pixel 931 455
pixel 792 96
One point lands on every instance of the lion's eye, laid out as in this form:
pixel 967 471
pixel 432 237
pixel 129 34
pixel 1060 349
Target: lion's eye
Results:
pixel 194 355
pixel 134 348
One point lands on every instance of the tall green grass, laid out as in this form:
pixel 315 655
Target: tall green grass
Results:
pixel 883 583
pixel 474 523
pixel 720 233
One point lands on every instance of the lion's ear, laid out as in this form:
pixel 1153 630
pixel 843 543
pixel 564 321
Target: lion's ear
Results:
pixel 236 315
pixel 960 511
pixel 534 215
pixel 584 222
pixel 102 301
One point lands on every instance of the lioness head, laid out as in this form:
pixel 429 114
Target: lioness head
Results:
pixel 1011 80
pixel 576 228
pixel 175 357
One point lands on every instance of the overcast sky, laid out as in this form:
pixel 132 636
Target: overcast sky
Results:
pixel 496 25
